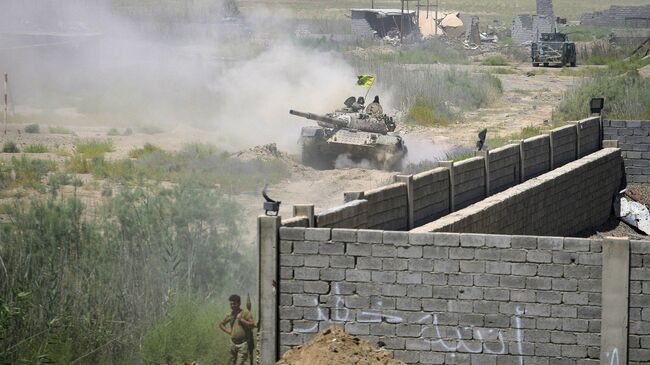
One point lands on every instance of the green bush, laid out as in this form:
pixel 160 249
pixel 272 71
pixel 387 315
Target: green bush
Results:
pixel 36 148
pixel 445 92
pixel 94 148
pixel 32 128
pixel 188 333
pixel 121 282
pixel 113 132
pixel 10 147
pixel 150 129
pixel 495 61
pixel 59 130
pixel 429 52
pixel 25 172
pixel 423 114
pixel 146 149
pixel 626 97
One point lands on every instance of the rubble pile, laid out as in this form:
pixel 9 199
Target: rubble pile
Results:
pixel 334 346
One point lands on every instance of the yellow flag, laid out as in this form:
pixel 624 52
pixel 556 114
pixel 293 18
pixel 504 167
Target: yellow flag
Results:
pixel 365 81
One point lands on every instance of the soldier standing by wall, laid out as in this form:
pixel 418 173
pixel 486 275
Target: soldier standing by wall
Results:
pixel 240 322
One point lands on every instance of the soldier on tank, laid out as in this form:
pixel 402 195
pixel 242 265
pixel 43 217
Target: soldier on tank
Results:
pixel 375 108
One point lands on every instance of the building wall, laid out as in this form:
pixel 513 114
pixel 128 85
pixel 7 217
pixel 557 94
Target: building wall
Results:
pixel 447 298
pixel 572 198
pixel 621 16
pixel 633 138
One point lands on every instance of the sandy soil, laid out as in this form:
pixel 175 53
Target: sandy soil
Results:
pixel 334 346
pixel 527 100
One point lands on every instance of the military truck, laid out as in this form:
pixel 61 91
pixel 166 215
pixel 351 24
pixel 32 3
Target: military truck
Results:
pixel 553 48
pixel 354 132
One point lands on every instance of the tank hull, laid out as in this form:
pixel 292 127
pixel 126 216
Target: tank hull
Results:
pixel 346 148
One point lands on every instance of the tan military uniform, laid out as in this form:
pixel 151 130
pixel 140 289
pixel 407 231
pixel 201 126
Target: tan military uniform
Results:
pixel 238 346
pixel 374 109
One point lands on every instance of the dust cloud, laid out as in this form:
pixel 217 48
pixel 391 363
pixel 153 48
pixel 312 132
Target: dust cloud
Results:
pixel 93 62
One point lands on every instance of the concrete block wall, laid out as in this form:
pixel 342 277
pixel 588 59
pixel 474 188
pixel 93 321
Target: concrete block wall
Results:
pixel 427 196
pixel 468 181
pixel 639 315
pixel 535 156
pixel 563 145
pixel 353 214
pixel 504 168
pixel 387 207
pixel 431 195
pixel 633 138
pixel 589 136
pixel 445 298
pixel 572 198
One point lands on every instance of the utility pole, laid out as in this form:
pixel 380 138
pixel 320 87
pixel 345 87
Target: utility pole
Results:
pixel 401 27
pixel 372 4
pixel 435 21
pixel 6 99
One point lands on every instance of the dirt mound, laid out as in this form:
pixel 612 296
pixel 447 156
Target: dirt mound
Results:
pixel 335 347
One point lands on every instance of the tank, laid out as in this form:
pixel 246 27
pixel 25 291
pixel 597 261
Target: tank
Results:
pixel 357 133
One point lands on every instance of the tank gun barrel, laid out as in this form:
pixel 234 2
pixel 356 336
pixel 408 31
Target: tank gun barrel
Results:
pixel 331 122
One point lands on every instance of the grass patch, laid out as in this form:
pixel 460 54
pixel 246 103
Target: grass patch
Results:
pixel 33 128
pixel 146 149
pixel 150 129
pixel 27 172
pixel 526 132
pixel 429 52
pixel 627 96
pixel 500 71
pixel 497 60
pixel 95 148
pixel 203 163
pixel 423 114
pixel 36 148
pixel 59 130
pixel 10 147
pixel 444 92
pixel 584 33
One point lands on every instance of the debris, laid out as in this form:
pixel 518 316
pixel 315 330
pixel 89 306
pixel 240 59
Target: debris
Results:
pixel 451 21
pixel 334 346
pixel 630 211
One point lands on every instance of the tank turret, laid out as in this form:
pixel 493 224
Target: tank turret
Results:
pixel 354 133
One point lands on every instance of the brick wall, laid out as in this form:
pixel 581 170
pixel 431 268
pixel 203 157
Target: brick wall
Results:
pixel 589 136
pixel 469 181
pixel 618 16
pixel 353 214
pixel 572 198
pixel 639 315
pixel 445 298
pixel 504 165
pixel 431 195
pixel 563 143
pixel 387 207
pixel 536 156
pixel 634 141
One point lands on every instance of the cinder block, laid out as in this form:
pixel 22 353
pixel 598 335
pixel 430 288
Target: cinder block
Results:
pixel 359 249
pixel 344 235
pixel 318 234
pixel 370 236
pixel 396 238
pixel 409 252
pixel 292 233
pixel 472 240
pixel 446 239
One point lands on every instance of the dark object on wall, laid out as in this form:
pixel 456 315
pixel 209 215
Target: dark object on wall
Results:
pixel 271 207
pixel 481 139
pixel 596 105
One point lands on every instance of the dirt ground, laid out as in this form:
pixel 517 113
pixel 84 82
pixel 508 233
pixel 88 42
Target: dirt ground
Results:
pixel 526 101
pixel 334 346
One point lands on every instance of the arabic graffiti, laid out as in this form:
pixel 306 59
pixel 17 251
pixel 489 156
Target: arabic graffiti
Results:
pixel 486 340
pixel 613 356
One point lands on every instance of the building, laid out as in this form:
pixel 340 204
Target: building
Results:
pixel 379 22
pixel 619 16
